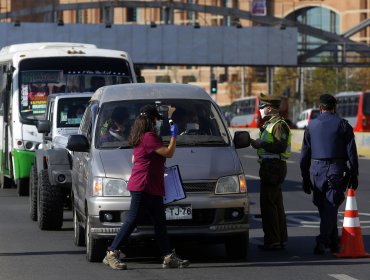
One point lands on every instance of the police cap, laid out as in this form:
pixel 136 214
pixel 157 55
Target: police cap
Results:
pixel 269 100
pixel 328 100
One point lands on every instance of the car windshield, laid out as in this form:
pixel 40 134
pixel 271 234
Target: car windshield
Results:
pixel 199 123
pixel 70 111
pixel 40 77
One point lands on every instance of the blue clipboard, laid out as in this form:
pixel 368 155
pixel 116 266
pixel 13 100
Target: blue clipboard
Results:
pixel 173 185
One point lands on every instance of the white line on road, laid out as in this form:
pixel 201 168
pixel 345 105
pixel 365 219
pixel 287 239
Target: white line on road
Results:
pixel 342 277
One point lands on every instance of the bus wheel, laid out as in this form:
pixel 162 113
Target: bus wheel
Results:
pixel 49 203
pixel 23 186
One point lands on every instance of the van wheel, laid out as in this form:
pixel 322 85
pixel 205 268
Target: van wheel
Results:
pixel 23 186
pixel 95 248
pixel 79 233
pixel 237 246
pixel 50 203
pixel 33 193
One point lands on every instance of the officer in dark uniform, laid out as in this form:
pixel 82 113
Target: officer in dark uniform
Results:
pixel 329 141
pixel 273 149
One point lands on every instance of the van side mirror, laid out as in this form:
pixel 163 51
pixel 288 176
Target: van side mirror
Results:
pixel 78 143
pixel 43 126
pixel 242 139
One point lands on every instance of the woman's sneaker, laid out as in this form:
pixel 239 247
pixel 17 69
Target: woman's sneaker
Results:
pixel 112 259
pixel 173 261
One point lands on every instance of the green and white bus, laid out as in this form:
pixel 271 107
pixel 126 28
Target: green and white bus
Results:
pixel 28 74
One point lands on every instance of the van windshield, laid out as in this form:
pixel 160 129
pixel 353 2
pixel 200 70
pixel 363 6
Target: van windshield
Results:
pixel 199 123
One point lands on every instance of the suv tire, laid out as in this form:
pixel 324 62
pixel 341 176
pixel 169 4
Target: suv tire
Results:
pixel 95 248
pixel 50 203
pixel 79 232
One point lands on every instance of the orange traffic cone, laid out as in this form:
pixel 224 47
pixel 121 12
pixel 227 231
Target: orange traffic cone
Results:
pixel 351 243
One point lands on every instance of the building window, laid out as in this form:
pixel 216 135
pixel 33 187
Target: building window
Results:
pixel 131 15
pixel 318 17
pixel 188 79
pixel 163 79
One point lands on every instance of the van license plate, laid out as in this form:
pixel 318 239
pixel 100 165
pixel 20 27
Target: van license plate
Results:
pixel 183 212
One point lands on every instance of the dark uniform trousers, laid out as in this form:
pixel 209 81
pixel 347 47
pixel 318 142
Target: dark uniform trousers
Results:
pixel 330 184
pixel 272 173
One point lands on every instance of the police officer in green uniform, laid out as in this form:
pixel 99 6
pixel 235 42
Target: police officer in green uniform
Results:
pixel 273 149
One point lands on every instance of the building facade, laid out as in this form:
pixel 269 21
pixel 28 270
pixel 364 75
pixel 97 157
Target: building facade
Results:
pixel 233 82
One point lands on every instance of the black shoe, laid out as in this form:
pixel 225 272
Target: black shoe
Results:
pixel 319 249
pixel 271 246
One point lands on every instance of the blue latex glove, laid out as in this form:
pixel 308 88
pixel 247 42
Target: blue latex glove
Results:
pixel 174 130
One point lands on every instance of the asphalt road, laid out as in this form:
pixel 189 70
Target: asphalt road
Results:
pixel 28 253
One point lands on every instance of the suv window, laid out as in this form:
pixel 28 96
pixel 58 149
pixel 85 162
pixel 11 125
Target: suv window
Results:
pixel 199 122
pixel 70 111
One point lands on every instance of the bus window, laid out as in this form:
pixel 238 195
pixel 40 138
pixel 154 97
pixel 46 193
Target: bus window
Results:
pixel 366 104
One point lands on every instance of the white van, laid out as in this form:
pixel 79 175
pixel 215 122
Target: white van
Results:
pixel 305 117
pixel 216 206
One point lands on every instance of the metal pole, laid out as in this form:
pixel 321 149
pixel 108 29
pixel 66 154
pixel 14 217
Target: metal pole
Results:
pixel 301 88
pixel 270 80
pixel 242 74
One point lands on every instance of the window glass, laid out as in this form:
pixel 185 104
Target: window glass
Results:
pixel 199 123
pixel 70 111
pixel 244 107
pixel 347 106
pixel 366 104
pixel 40 77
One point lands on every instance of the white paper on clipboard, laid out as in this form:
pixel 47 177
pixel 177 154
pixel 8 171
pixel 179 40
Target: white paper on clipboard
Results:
pixel 173 185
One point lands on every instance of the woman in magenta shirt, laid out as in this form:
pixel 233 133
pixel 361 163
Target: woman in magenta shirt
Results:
pixel 146 186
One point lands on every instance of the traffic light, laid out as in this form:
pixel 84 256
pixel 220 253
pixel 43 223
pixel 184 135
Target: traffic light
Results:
pixel 213 86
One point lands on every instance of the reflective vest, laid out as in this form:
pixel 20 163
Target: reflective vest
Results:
pixel 266 136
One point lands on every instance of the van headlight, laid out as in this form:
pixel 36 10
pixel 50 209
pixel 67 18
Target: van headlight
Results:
pixel 110 187
pixel 231 184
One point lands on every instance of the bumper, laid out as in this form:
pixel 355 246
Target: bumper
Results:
pixel 214 219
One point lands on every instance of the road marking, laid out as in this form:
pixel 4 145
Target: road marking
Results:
pixel 342 277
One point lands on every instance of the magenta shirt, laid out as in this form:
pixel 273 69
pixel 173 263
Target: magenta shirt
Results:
pixel 148 172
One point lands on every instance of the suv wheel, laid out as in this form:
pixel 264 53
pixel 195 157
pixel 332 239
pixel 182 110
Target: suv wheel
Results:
pixel 50 203
pixel 237 246
pixel 33 193
pixel 95 248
